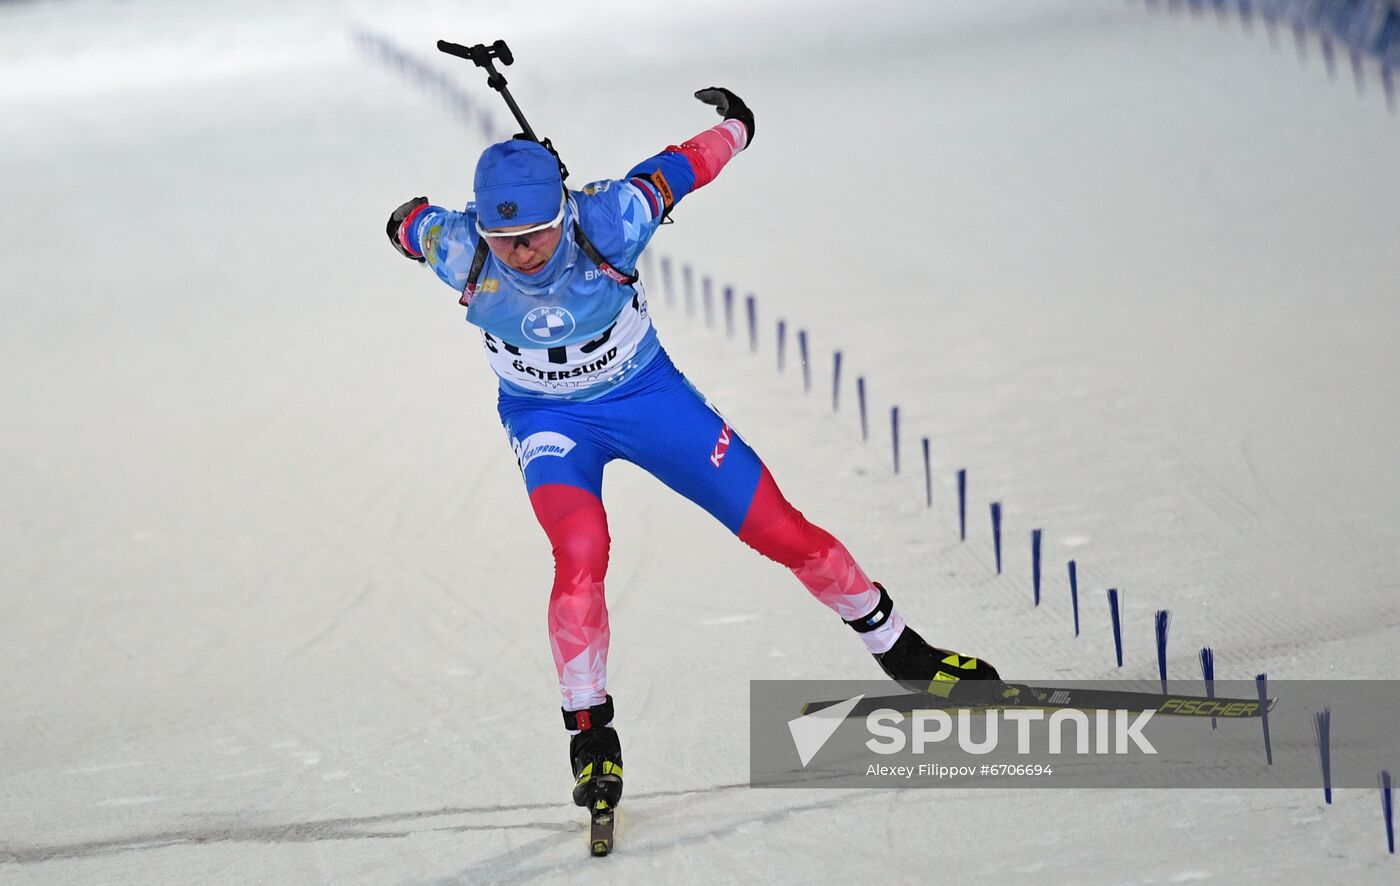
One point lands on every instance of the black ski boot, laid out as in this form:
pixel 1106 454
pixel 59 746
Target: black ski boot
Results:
pixel 919 667
pixel 596 757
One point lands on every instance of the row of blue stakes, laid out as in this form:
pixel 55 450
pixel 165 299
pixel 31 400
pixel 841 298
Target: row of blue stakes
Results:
pixel 1161 618
pixel 1366 29
pixel 465 108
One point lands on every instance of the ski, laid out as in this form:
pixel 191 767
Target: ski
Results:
pixel 600 829
pixel 1054 698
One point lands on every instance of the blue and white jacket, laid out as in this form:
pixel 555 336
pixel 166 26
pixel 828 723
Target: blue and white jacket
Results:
pixel 568 331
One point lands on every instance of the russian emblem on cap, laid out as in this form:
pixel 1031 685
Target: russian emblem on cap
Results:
pixel 507 209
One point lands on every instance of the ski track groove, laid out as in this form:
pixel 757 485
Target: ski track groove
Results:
pixel 510 865
pixel 326 829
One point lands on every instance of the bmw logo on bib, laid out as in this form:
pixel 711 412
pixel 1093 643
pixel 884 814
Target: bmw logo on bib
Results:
pixel 547 325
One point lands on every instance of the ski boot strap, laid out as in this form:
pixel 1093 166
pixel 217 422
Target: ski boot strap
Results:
pixel 877 616
pixel 589 718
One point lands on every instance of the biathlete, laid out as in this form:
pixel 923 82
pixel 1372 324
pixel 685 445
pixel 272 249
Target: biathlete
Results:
pixel 545 272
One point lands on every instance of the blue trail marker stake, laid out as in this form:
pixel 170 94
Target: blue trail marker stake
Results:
pixel 728 311
pixel 894 435
pixel 709 302
pixel 688 284
pixel 1035 564
pixel 860 400
pixel 1074 594
pixel 782 344
pixel 835 381
pixel 751 306
pixel 1322 729
pixel 996 532
pixel 1162 619
pixel 1117 625
pixel 1388 811
pixel 1261 682
pixel 1208 672
pixel 928 478
pixel 806 364
pixel 962 504
pixel 666 280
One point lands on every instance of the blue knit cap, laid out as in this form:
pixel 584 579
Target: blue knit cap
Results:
pixel 517 183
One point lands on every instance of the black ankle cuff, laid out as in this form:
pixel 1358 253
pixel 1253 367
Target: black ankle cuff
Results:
pixel 877 616
pixel 589 718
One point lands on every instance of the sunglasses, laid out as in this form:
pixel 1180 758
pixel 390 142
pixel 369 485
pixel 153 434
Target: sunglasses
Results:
pixel 530 238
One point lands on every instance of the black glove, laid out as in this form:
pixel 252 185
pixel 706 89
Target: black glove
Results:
pixel 729 105
pixel 396 221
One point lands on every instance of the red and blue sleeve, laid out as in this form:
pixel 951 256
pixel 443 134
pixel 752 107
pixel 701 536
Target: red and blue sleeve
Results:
pixel 667 177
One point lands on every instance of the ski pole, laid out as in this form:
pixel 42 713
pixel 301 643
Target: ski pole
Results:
pixel 481 55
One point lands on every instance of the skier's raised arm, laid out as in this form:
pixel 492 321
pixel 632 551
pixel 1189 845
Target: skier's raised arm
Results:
pixel 666 177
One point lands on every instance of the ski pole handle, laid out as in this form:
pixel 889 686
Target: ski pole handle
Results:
pixel 480 54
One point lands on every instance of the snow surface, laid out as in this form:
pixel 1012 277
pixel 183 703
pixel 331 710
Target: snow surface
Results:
pixel 273 599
